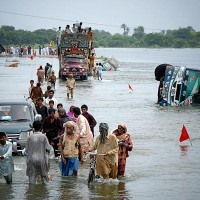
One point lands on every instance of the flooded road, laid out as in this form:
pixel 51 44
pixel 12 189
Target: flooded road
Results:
pixel 158 167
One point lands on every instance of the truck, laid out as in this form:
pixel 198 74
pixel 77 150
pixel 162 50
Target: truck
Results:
pixel 73 56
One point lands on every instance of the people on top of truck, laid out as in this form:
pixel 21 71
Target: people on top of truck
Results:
pixel 67 29
pixel 74 30
pixel 90 36
pixel 80 30
pixel 58 36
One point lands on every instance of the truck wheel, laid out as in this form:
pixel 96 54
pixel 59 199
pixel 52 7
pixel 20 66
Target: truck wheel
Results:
pixel 63 78
pixel 85 77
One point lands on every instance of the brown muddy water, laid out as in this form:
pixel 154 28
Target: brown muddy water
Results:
pixel 159 167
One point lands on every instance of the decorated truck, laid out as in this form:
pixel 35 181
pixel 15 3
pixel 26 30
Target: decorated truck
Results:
pixel 73 56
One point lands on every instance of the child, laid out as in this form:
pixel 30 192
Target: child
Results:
pixel 95 71
pixel 70 84
pixel 52 80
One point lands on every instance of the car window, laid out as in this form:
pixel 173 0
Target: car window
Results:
pixel 14 112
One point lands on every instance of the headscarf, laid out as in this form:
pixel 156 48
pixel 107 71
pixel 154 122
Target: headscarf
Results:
pixel 61 110
pixel 71 114
pixel 123 126
pixel 73 124
pixel 103 132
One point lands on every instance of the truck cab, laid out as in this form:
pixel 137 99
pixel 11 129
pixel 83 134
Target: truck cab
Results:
pixel 73 58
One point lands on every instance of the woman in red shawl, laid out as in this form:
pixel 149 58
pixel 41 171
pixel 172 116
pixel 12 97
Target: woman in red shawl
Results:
pixel 125 145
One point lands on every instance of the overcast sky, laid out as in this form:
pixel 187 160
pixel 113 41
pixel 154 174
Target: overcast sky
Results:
pixel 108 15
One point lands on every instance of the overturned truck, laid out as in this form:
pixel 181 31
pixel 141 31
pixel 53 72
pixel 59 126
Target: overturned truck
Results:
pixel 178 85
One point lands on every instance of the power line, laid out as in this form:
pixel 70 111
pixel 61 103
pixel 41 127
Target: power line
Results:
pixel 66 20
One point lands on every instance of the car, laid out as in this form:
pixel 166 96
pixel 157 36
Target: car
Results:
pixel 16 119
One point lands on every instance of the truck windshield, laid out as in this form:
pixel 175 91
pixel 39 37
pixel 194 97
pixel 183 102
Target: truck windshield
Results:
pixel 69 59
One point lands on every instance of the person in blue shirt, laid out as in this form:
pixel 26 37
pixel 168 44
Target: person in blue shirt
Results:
pixel 6 161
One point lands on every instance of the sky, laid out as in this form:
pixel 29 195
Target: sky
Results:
pixel 108 15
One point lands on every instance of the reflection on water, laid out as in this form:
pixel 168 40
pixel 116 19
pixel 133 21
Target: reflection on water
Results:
pixel 157 168
pixel 36 192
pixel 184 149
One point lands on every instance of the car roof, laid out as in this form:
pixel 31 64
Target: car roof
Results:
pixel 16 101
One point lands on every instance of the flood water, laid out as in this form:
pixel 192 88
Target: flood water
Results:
pixel 159 167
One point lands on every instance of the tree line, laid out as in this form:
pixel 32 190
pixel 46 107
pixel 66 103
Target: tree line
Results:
pixel 179 38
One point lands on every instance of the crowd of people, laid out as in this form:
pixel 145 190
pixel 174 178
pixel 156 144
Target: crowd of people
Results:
pixel 69 133
pixel 73 138
pixel 75 29
pixel 28 50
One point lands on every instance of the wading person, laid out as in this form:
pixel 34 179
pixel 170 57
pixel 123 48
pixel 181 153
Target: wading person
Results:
pixel 70 84
pixel 52 126
pixel 86 136
pixel 31 87
pixel 125 144
pixel 99 71
pixel 92 122
pixel 37 158
pixel 40 74
pixel 69 150
pixel 36 92
pixel 107 147
pixel 46 70
pixel 52 80
pixel 6 161
pixel 95 71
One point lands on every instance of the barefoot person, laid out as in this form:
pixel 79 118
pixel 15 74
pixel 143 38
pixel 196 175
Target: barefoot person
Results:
pixel 6 161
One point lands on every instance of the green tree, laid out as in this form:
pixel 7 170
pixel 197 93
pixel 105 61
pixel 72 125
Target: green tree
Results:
pixel 139 32
pixel 124 27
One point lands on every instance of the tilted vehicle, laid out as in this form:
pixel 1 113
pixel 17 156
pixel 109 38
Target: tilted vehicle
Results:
pixel 73 58
pixel 179 85
pixel 16 119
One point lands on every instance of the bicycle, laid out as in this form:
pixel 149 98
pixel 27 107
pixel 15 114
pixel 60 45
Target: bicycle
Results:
pixel 91 175
pixel 92 169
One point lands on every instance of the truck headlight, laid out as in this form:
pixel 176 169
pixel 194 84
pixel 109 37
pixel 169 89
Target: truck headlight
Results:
pixel 24 135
